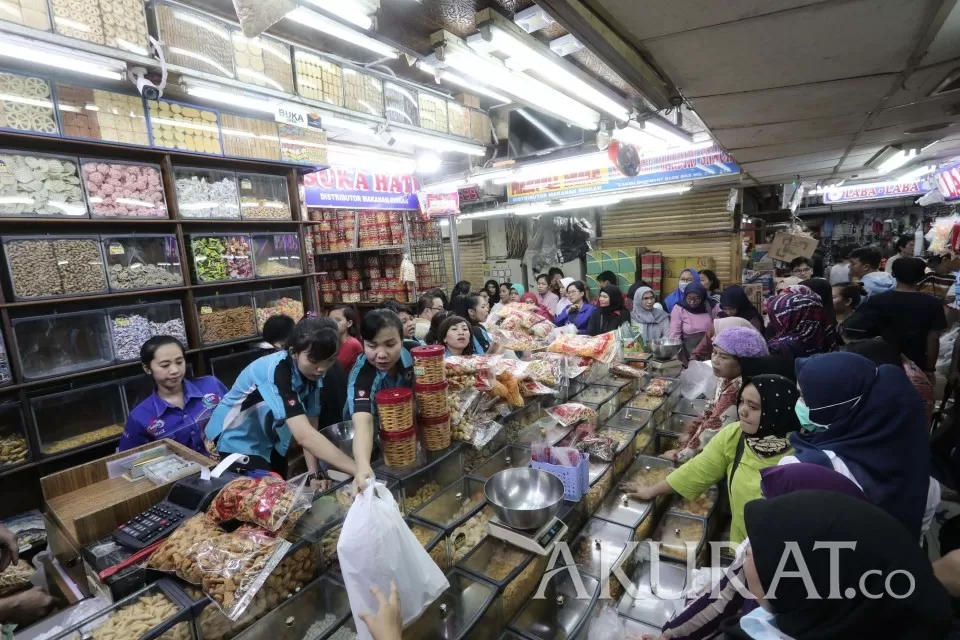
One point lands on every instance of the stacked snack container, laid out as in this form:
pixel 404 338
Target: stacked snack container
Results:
pixel 398 433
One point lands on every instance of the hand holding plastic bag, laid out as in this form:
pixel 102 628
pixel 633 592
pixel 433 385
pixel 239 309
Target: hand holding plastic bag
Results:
pixel 698 380
pixel 376 548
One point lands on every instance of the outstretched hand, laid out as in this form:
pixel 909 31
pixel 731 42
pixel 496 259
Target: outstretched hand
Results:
pixel 386 624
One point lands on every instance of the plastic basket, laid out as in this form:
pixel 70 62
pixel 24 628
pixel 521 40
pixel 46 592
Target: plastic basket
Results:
pixel 576 480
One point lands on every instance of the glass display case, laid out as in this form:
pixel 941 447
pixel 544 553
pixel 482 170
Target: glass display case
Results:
pixel 321 523
pixel 227 369
pixel 14 449
pixel 161 609
pixel 474 456
pixel 131 326
pixel 62 343
pixel 516 422
pixel 226 318
pixel 287 301
pixel 601 482
pixel 639 515
pixel 630 419
pixel 431 473
pixel 264 197
pixel 362 92
pixel 54 266
pixel 402 104
pixel 5 376
pixel 666 442
pixel 40 186
pixel 509 457
pixel 197 40
pixel 561 613
pixel 123 189
pixel 628 386
pixel 461 511
pixel 276 255
pixel 675 424
pixel 603 400
pixel 649 471
pixel 658 598
pixel 626 447
pixel 654 404
pixel 676 534
pixel 96 114
pixel 262 61
pixel 196 130
pixel 601 548
pixel 431 538
pixel 318 78
pixel 693 408
pixel 311 613
pixel 433 112
pixel 514 572
pixel 465 610
pixel 245 137
pixel 26 102
pixel 142 261
pixel 547 427
pixel 78 417
pixel 206 193
pixel 220 257
pixel 702 507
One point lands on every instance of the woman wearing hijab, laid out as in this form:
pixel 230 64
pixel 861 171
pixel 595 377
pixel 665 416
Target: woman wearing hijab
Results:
pixel 882 352
pixel 798 324
pixel 739 450
pixel 886 587
pixel 734 303
pixel 651 323
pixel 692 317
pixel 705 614
pixel 867 423
pixel 540 310
pixel 824 291
pixel 687 277
pixel 720 324
pixel 731 345
pixel 564 300
pixel 609 314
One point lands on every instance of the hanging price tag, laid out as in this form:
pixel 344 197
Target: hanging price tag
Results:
pixel 205 310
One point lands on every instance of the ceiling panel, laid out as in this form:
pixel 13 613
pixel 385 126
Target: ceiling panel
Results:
pixel 785 164
pixel 946 46
pixel 929 111
pixel 857 95
pixel 818 43
pixel 776 178
pixel 793 160
pixel 853 162
pixel 767 152
pixel 890 135
pixel 921 82
pixel 789 131
pixel 651 18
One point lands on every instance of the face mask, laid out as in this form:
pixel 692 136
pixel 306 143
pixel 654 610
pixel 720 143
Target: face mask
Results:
pixel 803 415
pixel 683 286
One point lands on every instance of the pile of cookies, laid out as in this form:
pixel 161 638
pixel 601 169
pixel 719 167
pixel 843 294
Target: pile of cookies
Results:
pixel 29 13
pixel 40 185
pixel 305 146
pixel 27 104
pixel 176 126
pixel 102 115
pixel 319 79
pixel 362 93
pixel 250 137
pixel 195 41
pixel 263 62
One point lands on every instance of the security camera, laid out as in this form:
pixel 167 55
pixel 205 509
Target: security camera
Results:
pixel 145 85
pixel 387 137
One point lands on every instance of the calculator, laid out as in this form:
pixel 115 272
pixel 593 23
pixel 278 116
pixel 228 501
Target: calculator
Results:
pixel 187 497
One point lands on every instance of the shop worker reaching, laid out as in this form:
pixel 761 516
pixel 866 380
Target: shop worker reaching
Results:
pixel 278 398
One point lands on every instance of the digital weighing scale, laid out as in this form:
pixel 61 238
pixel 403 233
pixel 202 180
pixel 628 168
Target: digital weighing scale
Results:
pixel 540 542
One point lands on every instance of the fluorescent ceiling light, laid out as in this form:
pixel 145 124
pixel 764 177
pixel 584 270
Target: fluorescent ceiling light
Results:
pixel 674 135
pixel 437 143
pixel 456 183
pixel 330 27
pixel 345 124
pixel 76 61
pixel 345 9
pixel 585 162
pixel 572 204
pixel 635 135
pixel 236 99
pixel 917 173
pixel 370 160
pixel 552 68
pixel 524 88
pixel 897 160
pixel 470 85
pixel 428 162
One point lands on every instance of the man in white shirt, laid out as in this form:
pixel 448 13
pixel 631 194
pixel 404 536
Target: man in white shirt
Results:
pixel 840 272
pixel 905 246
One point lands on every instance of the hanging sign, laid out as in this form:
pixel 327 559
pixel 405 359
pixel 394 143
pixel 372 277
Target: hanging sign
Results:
pixel 438 205
pixel 351 188
pixel 875 191
pixel 681 166
pixel 948 181
pixel 297 115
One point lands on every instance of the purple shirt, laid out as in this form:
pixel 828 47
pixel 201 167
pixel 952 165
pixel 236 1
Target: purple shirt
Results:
pixel 156 419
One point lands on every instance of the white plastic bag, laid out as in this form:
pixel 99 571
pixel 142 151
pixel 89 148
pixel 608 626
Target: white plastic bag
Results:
pixel 607 625
pixel 377 547
pixel 697 380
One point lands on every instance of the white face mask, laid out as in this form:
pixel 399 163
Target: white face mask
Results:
pixel 683 286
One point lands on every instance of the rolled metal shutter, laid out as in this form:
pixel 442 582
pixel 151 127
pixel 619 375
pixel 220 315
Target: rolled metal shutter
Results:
pixel 472 255
pixel 690 225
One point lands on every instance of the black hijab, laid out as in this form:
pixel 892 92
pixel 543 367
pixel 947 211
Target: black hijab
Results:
pixel 883 545
pixel 734 296
pixel 616 300
pixel 778 397
pixel 753 367
pixel 824 291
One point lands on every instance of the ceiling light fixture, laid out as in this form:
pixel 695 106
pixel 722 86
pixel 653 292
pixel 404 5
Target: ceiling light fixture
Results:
pixel 456 183
pixel 346 10
pixel 659 126
pixel 428 162
pixel 460 81
pixel 565 166
pixel 897 160
pixel 330 27
pixel 52 56
pixel 572 204
pixel 437 143
pixel 522 87
pixel 234 98
pixel 917 173
pixel 370 159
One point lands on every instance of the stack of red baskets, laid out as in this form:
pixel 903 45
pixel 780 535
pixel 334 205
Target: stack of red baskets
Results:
pixel 433 413
pixel 398 432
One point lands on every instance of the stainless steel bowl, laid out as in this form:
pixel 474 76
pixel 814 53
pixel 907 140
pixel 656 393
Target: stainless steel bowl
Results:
pixel 524 498
pixel 341 434
pixel 665 348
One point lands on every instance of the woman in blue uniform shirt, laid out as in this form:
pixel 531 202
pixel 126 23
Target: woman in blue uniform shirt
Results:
pixel 385 364
pixel 178 408
pixel 278 397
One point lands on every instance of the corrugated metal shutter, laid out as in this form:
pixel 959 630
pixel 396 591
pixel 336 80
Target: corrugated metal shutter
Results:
pixel 473 255
pixel 690 225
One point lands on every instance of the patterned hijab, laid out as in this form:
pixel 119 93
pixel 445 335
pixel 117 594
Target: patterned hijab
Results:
pixel 798 323
pixel 778 397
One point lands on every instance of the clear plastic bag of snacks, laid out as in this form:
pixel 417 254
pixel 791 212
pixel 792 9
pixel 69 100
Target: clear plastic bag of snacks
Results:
pixel 571 413
pixel 470 372
pixel 625 371
pixel 564 366
pixel 235 566
pixel 530 388
pixel 604 348
pixel 517 340
pixel 177 553
pixel 658 387
pixel 265 501
pixel 599 447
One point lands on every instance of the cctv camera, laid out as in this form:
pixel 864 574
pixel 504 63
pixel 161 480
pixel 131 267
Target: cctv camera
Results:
pixel 387 137
pixel 146 87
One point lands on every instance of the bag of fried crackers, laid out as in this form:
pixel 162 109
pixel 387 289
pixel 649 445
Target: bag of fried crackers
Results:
pixel 265 502
pixel 177 553
pixel 507 388
pixel 604 348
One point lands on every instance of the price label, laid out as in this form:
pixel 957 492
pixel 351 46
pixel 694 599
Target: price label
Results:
pixel 121 322
pixel 115 249
pixel 205 310
pixel 136 265
pixel 246 184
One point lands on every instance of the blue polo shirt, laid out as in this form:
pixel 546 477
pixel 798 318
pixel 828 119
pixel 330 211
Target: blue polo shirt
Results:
pixel 156 419
pixel 366 380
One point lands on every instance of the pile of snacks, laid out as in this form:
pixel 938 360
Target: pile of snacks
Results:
pixel 264 197
pixel 15 578
pixel 124 190
pixel 182 127
pixel 380 229
pixel 658 387
pixel 26 103
pixel 177 554
pixel 116 117
pixel 40 186
pixel 13 449
pixel 83 439
pixel 218 258
pixel 603 348
pixel 207 195
pixel 140 616
pixel 571 413
pixel 421 496
pixel 281 306
pixel 65 266
pixel 130 331
pixel 302 145
pixel 250 138
pixel 222 325
pixel 265 502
